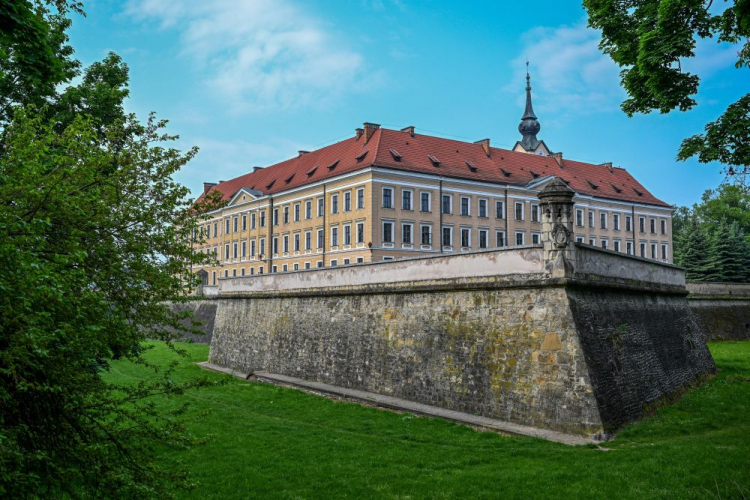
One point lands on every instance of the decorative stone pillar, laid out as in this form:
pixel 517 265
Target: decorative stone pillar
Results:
pixel 557 227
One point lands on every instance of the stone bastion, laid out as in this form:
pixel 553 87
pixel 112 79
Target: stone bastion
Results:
pixel 563 336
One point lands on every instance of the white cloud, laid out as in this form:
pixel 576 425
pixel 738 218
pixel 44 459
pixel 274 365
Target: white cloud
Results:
pixel 258 54
pixel 569 74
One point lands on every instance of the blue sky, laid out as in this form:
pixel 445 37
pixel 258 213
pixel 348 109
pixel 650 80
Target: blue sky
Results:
pixel 252 81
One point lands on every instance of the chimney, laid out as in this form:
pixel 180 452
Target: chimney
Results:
pixel 207 186
pixel 256 168
pixel 359 132
pixel 608 165
pixel 558 158
pixel 485 145
pixel 409 129
pixel 301 152
pixel 370 129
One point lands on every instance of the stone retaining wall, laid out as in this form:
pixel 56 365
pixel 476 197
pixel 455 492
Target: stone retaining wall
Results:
pixel 722 309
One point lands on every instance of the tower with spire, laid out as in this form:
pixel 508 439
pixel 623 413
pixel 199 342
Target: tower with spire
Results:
pixel 530 126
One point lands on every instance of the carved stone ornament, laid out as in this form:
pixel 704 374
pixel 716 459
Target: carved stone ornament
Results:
pixel 560 235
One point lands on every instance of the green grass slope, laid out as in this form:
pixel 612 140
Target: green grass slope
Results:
pixel 263 441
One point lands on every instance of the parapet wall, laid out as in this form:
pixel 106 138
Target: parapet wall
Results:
pixel 722 309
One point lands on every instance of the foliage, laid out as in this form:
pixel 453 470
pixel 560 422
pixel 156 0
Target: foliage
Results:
pixel 34 53
pixel 712 239
pixel 649 39
pixel 273 442
pixel 94 241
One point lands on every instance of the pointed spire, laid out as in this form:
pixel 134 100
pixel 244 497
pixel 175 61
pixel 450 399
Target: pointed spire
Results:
pixel 529 125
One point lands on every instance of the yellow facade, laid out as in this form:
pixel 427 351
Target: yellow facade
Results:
pixel 377 214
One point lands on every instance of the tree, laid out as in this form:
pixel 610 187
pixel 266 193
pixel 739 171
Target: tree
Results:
pixel 649 39
pixel 695 253
pixel 94 240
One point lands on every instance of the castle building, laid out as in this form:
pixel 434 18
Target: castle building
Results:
pixel 387 194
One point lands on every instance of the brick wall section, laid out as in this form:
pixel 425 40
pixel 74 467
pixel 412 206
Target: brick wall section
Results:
pixel 639 347
pixel 506 353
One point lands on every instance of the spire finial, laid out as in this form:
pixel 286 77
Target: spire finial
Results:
pixel 529 126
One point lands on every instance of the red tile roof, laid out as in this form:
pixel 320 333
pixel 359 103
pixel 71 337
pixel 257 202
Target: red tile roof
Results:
pixel 417 153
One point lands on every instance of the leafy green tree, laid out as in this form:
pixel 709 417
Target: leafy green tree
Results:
pixel 650 39
pixel 34 53
pixel 94 240
pixel 727 202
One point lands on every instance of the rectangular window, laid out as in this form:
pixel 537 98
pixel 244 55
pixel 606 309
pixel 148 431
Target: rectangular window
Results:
pixel 499 239
pixel 579 217
pixel 308 209
pixel 465 203
pixel 520 236
pixel 360 260
pixel 320 239
pixel 285 268
pixel 297 212
pixel 360 232
pixel 361 198
pixel 482 208
pixel 653 226
pixel 616 245
pixel 286 214
pixel 244 249
pixel 296 267
pixel 213 278
pixel 616 222
pixel 642 224
pixel 388 232
pixel 226 251
pixel 236 224
pixel 591 218
pixel 319 264
pixel 321 205
pixel 334 203
pixel 307 265
pixel 519 211
pixel 387 198
pixel 605 244
pixel 243 271
pixel 643 250
pixel 424 202
pixel 296 242
pixel 334 263
pixel 347 235
pixel 334 236
pixel 261 270
pixel 465 237
pixel 426 235
pixel 275 245
pixel 628 223
pixel 252 248
pixel 262 247
pixel 234 273
pixel 226 226
pixel 406 199
pixel 252 220
pixel 592 242
pixel 216 229
pixel 536 238
pixel 286 243
pixel 483 237
pixel 234 251
pixel 603 220
pixel 308 240
pixel 263 219
pixel 534 213
pixel 500 209
pixel 406 236
pixel 244 222
pixel 252 271
pixel 346 262
pixel 348 201
pixel 447 237
pixel 447 204
pixel 579 239
pixel 629 247
pixel 664 253
pixel 653 251
pixel 663 226
pixel 275 220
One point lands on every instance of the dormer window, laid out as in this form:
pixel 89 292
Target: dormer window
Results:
pixel 435 161
pixel 505 172
pixel 639 193
pixel 312 171
pixel 593 186
pixel 270 185
pixel 289 179
pixel 361 157
pixel 333 165
pixel 471 166
pixel 395 154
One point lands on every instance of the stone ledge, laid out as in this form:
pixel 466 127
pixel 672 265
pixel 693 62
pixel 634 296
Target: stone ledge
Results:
pixel 408 406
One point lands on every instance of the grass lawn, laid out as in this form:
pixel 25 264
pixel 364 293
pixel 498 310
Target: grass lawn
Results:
pixel 270 442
